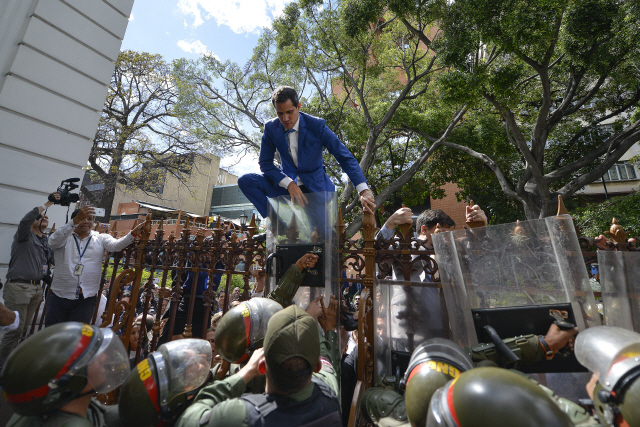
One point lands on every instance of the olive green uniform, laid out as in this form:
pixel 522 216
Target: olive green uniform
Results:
pixel 98 415
pixel 216 405
pixel 288 286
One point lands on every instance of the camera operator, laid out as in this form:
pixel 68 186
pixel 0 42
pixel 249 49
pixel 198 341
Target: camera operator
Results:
pixel 30 259
pixel 79 251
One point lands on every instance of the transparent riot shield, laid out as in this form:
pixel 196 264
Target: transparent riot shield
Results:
pixel 512 276
pixel 407 314
pixel 293 231
pixel 619 277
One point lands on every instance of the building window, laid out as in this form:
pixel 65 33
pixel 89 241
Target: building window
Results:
pixel 621 172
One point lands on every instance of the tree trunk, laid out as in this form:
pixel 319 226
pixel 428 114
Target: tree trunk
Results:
pixel 533 206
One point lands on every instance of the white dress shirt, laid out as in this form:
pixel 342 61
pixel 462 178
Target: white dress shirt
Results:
pixel 65 284
pixel 293 150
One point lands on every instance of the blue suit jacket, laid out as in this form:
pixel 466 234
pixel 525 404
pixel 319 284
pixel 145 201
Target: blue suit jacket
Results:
pixel 313 136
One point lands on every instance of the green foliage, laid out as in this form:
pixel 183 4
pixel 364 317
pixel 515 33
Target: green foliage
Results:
pixel 594 219
pixel 357 15
pixel 553 72
pixel 146 273
pixel 237 281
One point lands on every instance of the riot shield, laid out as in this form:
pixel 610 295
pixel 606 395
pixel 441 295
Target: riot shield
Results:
pixel 619 273
pixel 407 314
pixel 513 277
pixel 292 231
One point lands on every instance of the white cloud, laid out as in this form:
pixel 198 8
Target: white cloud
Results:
pixel 239 164
pixel 131 17
pixel 242 16
pixel 195 47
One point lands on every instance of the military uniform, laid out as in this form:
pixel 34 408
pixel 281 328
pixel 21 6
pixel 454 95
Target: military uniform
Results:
pixel 223 403
pixel 288 286
pixel 82 359
pixel 98 415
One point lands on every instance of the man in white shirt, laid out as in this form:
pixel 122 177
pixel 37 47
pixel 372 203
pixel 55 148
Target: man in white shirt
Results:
pixel 79 252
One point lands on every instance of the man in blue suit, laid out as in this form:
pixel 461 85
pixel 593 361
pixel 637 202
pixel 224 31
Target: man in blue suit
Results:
pixel 299 139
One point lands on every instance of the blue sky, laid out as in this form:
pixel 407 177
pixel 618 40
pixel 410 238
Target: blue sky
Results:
pixel 187 28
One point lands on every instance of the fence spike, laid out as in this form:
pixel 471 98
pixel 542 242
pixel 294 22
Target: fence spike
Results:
pixel 562 210
pixel 251 229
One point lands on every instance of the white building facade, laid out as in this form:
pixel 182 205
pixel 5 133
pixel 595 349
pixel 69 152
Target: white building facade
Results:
pixel 56 61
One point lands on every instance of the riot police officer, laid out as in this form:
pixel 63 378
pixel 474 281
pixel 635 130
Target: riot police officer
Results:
pixel 613 355
pixel 489 397
pixel 157 391
pixel 56 388
pixel 293 350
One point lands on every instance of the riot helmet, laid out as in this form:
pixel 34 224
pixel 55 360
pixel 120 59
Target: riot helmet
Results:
pixel 489 397
pixel 378 403
pixel 157 389
pixel 432 365
pixel 613 355
pixel 242 329
pixel 81 359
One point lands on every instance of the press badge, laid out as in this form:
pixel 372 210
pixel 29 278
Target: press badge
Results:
pixel 78 270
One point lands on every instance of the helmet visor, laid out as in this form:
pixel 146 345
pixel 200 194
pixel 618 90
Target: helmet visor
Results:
pixel 261 309
pixel 609 352
pixel 438 414
pixel 109 367
pixel 187 363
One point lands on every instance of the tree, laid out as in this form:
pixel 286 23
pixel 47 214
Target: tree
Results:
pixel 139 138
pixel 360 78
pixel 561 77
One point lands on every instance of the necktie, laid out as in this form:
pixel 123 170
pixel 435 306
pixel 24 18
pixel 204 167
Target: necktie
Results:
pixel 286 134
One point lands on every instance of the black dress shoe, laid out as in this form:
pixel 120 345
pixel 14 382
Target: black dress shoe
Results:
pixel 260 237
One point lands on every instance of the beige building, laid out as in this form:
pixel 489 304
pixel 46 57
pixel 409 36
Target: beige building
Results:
pixel 191 195
pixel 622 178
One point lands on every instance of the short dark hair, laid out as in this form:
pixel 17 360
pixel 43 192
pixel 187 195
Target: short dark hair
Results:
pixel 75 213
pixel 432 217
pixel 290 376
pixel 284 93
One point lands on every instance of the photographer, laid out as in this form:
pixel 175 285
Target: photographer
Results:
pixel 79 251
pixel 30 259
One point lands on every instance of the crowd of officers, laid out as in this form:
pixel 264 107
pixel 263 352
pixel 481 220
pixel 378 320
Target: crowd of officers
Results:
pixel 281 366
pixel 269 362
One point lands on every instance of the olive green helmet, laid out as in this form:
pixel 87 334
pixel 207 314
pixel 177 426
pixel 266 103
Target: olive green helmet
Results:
pixel 242 329
pixel 613 355
pixel 79 358
pixel 381 403
pixel 432 365
pixel 489 397
pixel 157 389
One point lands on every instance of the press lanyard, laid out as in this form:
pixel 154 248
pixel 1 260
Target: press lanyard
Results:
pixel 78 246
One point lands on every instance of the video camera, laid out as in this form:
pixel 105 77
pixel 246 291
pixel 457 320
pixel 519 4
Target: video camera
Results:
pixel 66 197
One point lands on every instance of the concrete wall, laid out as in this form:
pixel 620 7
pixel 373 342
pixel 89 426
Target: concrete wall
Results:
pixel 194 196
pixel 56 61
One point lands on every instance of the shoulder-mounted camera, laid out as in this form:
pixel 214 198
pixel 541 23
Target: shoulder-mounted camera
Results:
pixel 66 196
